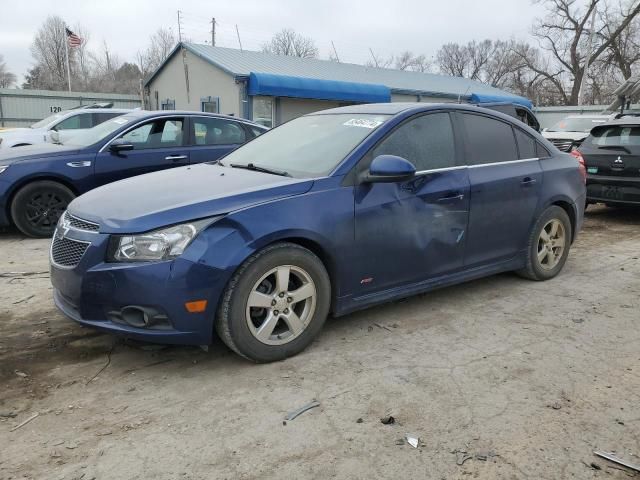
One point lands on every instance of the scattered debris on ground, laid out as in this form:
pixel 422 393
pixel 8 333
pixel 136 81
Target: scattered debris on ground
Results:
pixel 291 415
pixel 613 458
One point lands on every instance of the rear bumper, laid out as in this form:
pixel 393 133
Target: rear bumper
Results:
pixel 614 190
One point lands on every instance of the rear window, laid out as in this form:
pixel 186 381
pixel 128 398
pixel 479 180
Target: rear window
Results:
pixel 618 135
pixel 576 124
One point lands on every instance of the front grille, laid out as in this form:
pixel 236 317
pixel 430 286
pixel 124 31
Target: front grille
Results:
pixel 81 224
pixel 66 252
pixel 562 144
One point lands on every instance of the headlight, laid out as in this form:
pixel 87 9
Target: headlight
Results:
pixel 163 244
pixel 3 168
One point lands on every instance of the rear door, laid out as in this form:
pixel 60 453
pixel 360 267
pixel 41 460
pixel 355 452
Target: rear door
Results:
pixel 212 138
pixel 505 178
pixel 612 157
pixel 158 144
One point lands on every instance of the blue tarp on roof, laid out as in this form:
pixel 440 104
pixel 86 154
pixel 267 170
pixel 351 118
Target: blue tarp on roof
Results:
pixel 301 87
pixel 484 98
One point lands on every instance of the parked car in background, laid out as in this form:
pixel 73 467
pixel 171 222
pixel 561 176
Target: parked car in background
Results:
pixel 330 212
pixel 59 127
pixel 611 154
pixel 38 182
pixel 515 110
pixel 569 132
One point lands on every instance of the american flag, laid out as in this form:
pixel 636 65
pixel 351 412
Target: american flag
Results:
pixel 73 39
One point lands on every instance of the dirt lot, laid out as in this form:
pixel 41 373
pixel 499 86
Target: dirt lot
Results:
pixel 526 378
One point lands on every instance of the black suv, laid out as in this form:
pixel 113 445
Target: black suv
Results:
pixel 611 154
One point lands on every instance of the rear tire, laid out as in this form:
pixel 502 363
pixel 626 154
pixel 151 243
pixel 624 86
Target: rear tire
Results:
pixel 37 206
pixel 548 246
pixel 275 304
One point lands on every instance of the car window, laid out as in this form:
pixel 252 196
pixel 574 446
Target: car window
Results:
pixel 217 131
pixel 158 133
pixel 488 140
pixel 541 152
pixel 257 131
pixel 100 117
pixel 526 144
pixel 616 135
pixel 426 141
pixel 82 120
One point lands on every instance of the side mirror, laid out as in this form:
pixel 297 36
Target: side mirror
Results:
pixel 54 136
pixel 119 145
pixel 389 169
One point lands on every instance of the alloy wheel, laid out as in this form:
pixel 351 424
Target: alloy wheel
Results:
pixel 43 210
pixel 281 304
pixel 551 244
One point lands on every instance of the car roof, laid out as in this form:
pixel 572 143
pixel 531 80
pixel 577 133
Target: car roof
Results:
pixel 400 107
pixel 597 117
pixel 172 113
pixel 78 111
pixel 630 120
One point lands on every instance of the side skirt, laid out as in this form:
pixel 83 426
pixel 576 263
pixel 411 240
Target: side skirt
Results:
pixel 349 304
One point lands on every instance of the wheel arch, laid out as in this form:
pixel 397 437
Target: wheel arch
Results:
pixel 40 178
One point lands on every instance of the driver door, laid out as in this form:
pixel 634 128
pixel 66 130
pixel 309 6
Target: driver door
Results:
pixel 414 230
pixel 157 145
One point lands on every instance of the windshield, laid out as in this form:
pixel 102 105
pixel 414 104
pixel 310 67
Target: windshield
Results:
pixel 99 132
pixel 310 146
pixel 46 121
pixel 576 124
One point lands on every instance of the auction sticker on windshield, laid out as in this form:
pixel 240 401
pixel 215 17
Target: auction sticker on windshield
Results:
pixel 363 122
pixel 120 121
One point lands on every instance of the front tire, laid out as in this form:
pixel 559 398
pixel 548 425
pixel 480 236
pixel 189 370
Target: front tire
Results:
pixel 36 207
pixel 275 304
pixel 549 244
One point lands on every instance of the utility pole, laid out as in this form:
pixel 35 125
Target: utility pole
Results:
pixel 335 51
pixel 179 27
pixel 213 31
pixel 238 33
pixel 588 57
pixel 375 60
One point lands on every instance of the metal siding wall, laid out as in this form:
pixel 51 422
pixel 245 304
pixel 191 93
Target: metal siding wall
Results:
pixel 23 107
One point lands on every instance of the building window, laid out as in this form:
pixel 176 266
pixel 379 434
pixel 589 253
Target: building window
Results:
pixel 168 104
pixel 263 111
pixel 210 104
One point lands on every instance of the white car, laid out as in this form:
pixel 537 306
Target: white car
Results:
pixel 58 127
pixel 571 131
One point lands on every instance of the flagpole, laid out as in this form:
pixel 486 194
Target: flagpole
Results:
pixel 66 44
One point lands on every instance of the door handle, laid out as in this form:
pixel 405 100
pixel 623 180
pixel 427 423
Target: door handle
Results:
pixel 528 181
pixel 451 198
pixel 175 158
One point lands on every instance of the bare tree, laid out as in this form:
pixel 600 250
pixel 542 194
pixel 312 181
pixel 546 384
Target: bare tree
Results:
pixel 560 34
pixel 48 49
pixel 288 42
pixel 7 79
pixel 161 43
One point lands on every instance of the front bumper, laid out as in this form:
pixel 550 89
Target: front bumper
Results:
pixel 94 291
pixel 4 205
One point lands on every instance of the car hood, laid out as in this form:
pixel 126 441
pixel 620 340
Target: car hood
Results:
pixel 29 152
pixel 565 135
pixel 177 195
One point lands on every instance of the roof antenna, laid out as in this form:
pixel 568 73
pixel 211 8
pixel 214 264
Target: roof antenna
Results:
pixel 238 33
pixel 464 94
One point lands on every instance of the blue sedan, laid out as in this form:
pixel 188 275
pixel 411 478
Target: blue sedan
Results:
pixel 329 213
pixel 38 182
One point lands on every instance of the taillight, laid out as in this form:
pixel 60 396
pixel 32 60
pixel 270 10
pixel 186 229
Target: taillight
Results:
pixel 581 165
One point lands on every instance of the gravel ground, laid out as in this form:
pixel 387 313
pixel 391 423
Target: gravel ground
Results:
pixel 513 379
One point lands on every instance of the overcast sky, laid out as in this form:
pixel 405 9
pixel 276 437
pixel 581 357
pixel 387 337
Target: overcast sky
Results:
pixel 353 25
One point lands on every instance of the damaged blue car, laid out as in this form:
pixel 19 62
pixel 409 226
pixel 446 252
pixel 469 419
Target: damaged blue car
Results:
pixel 327 214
